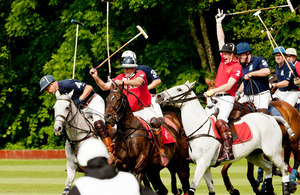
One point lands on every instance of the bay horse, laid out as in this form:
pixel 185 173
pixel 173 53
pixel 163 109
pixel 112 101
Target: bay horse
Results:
pixel 205 147
pixel 290 144
pixel 135 150
pixel 77 128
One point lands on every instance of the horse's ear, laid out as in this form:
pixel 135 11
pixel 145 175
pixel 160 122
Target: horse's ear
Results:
pixel 57 94
pixel 70 94
pixel 192 84
pixel 187 83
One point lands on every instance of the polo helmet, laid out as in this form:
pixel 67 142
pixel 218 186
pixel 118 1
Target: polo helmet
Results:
pixel 91 148
pixel 278 49
pixel 129 62
pixel 229 47
pixel 45 81
pixel 291 51
pixel 129 53
pixel 243 47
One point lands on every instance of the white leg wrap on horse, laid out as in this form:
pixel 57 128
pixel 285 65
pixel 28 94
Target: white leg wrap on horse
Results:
pixel 268 176
pixel 285 179
pixel 286 125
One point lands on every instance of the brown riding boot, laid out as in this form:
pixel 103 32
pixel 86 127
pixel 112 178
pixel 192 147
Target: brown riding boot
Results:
pixel 102 132
pixel 164 161
pixel 155 123
pixel 227 140
pixel 263 110
pixel 107 142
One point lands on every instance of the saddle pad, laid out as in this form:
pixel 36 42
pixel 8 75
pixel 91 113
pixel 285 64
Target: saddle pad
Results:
pixel 242 129
pixel 167 137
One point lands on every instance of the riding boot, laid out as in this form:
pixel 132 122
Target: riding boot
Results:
pixel 263 110
pixel 102 132
pixel 164 161
pixel 156 124
pixel 227 140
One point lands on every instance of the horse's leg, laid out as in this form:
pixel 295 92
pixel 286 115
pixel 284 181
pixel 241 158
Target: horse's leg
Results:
pixel 209 182
pixel 174 181
pixel 259 160
pixel 202 164
pixel 154 178
pixel 294 172
pixel 71 167
pixel 183 173
pixel 251 179
pixel 226 179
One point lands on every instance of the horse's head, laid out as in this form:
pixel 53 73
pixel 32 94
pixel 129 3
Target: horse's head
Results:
pixel 116 104
pixel 62 109
pixel 175 94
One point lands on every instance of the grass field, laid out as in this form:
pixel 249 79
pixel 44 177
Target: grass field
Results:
pixel 35 177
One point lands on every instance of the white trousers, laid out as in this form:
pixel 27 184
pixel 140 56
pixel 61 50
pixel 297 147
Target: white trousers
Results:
pixel 224 104
pixel 156 107
pixel 260 100
pixel 147 113
pixel 95 109
pixel 290 97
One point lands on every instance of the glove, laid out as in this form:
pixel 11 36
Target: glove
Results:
pixel 237 95
pixel 297 81
pixel 270 86
pixel 77 102
pixel 208 93
pixel 220 16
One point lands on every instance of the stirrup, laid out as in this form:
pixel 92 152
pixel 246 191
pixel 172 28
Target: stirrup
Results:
pixel 112 159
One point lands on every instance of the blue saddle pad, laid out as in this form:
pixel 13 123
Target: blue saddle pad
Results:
pixel 273 111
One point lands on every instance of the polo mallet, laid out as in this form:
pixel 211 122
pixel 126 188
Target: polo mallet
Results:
pixel 77 24
pixel 253 10
pixel 273 40
pixel 268 33
pixel 107 34
pixel 142 32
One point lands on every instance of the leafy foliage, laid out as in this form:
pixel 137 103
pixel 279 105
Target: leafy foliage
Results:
pixel 38 38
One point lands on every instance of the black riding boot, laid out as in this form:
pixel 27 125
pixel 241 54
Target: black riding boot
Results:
pixel 227 140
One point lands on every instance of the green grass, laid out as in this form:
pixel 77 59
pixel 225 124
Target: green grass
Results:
pixel 32 177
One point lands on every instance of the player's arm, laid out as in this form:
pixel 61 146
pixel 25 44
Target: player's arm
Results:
pixel 154 84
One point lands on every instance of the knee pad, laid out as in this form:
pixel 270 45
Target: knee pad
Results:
pixel 155 122
pixel 101 129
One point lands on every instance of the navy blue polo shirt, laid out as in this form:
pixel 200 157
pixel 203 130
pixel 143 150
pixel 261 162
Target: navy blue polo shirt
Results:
pixel 67 85
pixel 260 83
pixel 284 73
pixel 150 74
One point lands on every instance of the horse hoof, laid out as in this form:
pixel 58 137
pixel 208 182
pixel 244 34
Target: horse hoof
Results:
pixel 66 191
pixel 179 191
pixel 293 187
pixel 235 192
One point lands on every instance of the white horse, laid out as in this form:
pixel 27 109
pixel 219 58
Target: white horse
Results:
pixel 78 129
pixel 204 147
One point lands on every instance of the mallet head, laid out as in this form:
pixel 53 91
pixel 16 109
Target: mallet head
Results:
pixel 257 13
pixel 142 31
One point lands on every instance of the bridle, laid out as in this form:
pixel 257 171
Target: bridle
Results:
pixel 65 122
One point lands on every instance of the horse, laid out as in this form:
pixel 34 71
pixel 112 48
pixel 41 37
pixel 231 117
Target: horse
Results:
pixel 205 147
pixel 290 144
pixel 135 150
pixel 77 129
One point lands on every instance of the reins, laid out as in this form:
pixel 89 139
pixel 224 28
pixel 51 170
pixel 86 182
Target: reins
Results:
pixel 68 122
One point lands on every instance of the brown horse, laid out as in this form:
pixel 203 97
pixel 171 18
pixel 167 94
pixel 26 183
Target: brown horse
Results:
pixel 290 144
pixel 135 149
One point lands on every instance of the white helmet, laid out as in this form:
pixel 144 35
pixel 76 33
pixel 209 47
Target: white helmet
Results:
pixel 90 149
pixel 129 53
pixel 291 51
